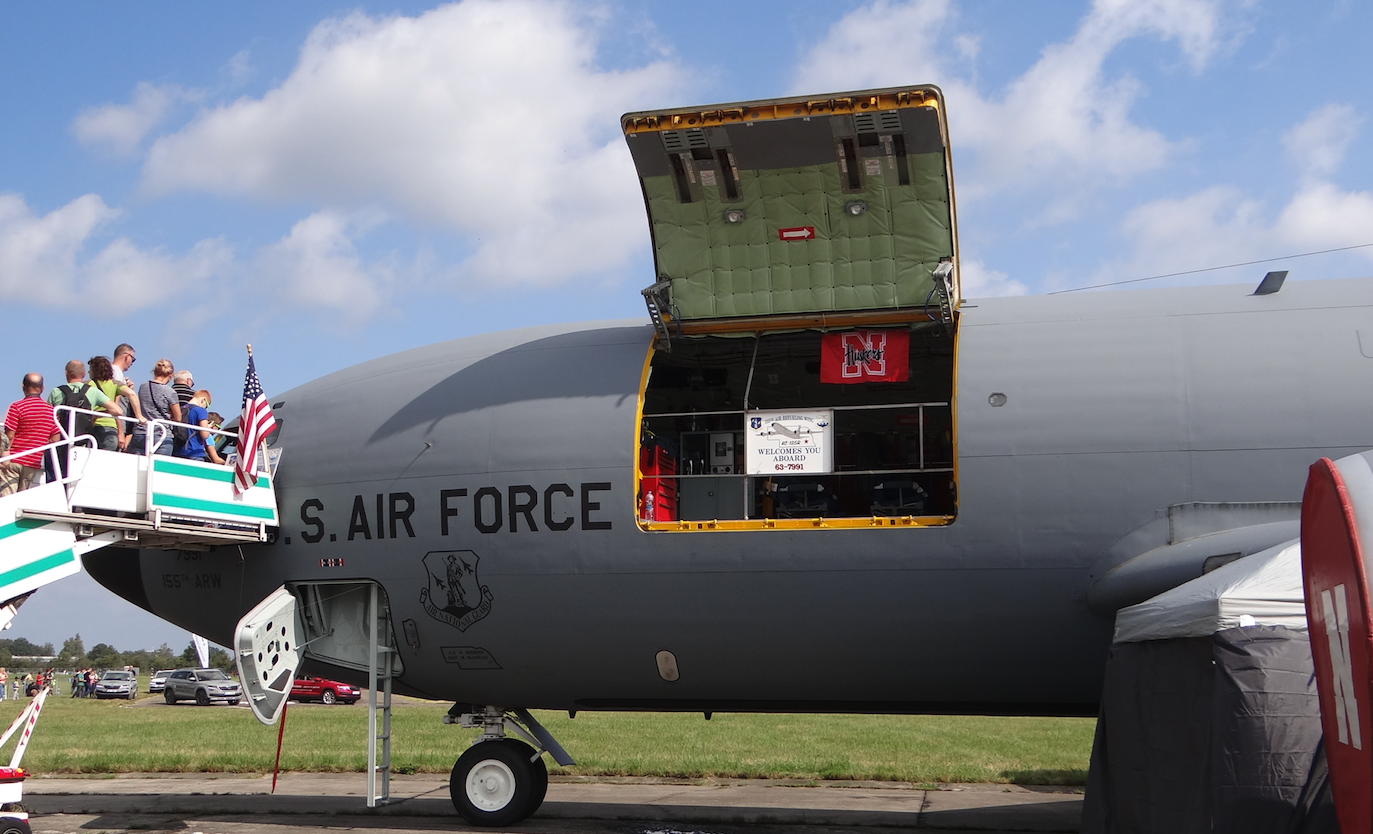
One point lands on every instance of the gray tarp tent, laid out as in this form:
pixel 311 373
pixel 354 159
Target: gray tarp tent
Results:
pixel 1209 719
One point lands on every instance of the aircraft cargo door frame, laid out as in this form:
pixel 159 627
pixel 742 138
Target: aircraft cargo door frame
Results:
pixel 805 314
pixel 743 433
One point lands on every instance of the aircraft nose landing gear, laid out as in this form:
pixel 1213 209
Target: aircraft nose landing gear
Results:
pixel 498 780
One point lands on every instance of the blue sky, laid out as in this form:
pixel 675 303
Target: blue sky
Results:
pixel 334 182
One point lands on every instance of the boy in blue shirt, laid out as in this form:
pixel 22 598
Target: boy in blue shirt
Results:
pixel 199 445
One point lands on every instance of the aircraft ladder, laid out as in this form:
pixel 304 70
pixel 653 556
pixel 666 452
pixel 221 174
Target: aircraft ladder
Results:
pixel 380 670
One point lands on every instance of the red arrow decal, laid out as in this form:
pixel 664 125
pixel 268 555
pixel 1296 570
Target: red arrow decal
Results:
pixel 798 233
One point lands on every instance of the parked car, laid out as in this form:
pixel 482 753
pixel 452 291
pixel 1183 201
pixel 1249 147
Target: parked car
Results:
pixel 158 680
pixel 312 688
pixel 204 686
pixel 117 684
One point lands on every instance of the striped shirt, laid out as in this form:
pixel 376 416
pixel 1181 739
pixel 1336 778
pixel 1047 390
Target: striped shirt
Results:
pixel 32 421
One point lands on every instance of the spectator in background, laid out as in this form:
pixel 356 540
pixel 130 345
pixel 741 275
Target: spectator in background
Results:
pixel 83 396
pixel 78 393
pixel 200 443
pixel 112 434
pixel 4 677
pixel 29 424
pixel 123 360
pixel 220 441
pixel 183 383
pixel 158 402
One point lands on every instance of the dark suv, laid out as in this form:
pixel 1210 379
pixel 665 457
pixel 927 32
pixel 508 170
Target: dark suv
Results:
pixel 204 686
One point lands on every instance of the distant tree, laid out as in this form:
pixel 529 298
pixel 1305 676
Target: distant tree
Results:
pixel 162 657
pixel 5 657
pixel 19 645
pixel 219 659
pixel 73 652
pixel 104 656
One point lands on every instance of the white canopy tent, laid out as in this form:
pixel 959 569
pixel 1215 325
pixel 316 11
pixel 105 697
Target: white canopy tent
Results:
pixel 1262 589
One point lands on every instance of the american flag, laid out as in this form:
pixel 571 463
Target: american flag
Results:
pixel 254 423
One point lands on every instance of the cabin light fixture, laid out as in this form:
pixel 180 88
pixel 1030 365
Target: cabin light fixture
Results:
pixel 856 207
pixel 734 216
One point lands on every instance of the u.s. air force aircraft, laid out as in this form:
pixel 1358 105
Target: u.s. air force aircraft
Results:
pixel 815 479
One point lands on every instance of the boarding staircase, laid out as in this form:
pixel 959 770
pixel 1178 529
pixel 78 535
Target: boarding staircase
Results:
pixel 130 500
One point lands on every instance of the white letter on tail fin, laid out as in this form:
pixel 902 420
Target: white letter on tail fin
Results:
pixel 1337 632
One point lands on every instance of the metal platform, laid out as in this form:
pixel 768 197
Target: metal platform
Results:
pixel 161 531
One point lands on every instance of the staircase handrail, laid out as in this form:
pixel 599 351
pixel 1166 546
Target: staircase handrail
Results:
pixel 52 449
pixel 164 426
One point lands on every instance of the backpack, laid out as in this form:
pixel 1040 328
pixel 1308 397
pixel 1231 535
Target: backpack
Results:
pixel 80 423
pixel 181 432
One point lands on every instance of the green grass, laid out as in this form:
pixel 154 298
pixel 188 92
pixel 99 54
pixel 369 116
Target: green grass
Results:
pixel 90 736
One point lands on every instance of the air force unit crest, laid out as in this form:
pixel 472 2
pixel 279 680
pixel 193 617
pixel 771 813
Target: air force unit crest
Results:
pixel 455 595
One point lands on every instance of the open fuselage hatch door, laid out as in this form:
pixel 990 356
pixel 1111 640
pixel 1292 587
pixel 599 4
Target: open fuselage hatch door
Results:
pixel 806 313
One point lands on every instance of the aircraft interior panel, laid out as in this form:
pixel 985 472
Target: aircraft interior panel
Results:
pixel 799 206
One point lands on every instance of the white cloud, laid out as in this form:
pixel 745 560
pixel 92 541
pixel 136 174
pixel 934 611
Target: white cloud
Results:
pixel 490 119
pixel 317 266
pixel 38 255
pixel 1204 229
pixel 123 126
pixel 977 281
pixel 882 44
pixel 238 68
pixel 42 259
pixel 1063 124
pixel 1219 226
pixel 127 278
pixel 1321 215
pixel 1318 144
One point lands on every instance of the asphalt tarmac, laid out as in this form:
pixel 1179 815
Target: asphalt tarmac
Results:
pixel 313 802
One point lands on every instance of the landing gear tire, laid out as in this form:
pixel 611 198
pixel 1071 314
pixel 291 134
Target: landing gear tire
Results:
pixel 540 784
pixel 494 783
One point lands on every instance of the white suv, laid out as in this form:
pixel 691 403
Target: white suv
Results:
pixel 204 686
pixel 159 680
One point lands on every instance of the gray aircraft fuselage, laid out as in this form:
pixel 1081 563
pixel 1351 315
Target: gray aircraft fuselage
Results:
pixel 519 448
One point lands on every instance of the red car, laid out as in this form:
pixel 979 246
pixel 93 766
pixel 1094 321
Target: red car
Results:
pixel 326 691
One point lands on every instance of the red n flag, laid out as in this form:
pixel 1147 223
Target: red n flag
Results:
pixel 865 356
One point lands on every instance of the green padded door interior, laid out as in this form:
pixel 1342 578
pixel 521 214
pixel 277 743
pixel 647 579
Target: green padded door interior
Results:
pixel 797 206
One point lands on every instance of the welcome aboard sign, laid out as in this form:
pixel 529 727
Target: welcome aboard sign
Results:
pixel 789 442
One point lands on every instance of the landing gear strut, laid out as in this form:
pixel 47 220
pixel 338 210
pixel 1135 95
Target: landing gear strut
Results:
pixel 499 780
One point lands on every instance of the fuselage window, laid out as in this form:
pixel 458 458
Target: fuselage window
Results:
pixel 758 430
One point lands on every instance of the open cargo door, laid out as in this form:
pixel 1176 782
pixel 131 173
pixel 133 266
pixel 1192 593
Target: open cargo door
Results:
pixel 799 206
pixel 805 307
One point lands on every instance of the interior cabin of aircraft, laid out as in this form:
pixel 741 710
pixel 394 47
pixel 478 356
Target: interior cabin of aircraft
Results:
pixel 743 428
pixel 803 371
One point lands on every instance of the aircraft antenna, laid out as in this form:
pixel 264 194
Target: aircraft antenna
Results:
pixel 1212 268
